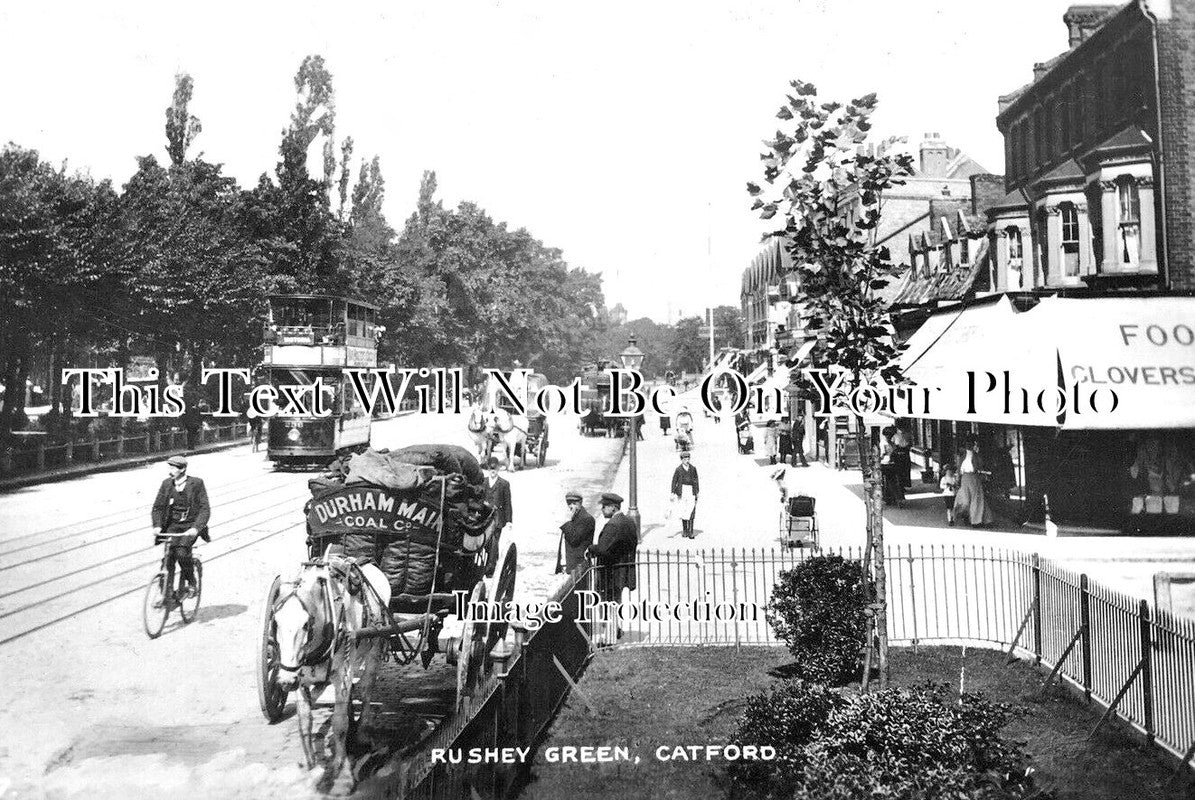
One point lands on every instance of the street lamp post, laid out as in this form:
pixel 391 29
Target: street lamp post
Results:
pixel 632 358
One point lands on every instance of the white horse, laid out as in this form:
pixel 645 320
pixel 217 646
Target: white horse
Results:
pixel 510 431
pixel 483 440
pixel 314 625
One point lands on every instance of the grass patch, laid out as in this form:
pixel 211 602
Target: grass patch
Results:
pixel 647 698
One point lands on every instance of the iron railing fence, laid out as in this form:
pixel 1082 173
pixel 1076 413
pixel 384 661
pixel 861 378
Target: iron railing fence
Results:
pixel 513 707
pixel 1137 664
pixel 41 457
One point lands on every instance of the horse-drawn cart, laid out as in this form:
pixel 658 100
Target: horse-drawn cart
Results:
pixel 536 443
pixel 390 570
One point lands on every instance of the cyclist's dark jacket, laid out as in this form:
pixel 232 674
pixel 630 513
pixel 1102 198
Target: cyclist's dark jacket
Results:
pixel 195 497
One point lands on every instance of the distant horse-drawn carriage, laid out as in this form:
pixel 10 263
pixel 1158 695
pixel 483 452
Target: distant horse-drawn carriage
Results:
pixel 391 537
pixel 595 402
pixel 497 423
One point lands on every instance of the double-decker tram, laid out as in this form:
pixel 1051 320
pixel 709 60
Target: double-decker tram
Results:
pixel 309 337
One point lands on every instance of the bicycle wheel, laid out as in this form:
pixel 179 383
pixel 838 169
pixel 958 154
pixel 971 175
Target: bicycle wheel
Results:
pixel 154 609
pixel 190 607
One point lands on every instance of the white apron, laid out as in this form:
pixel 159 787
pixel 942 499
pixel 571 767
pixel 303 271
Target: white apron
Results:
pixel 687 503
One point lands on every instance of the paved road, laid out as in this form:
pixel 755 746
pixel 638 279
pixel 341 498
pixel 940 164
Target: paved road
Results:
pixel 90 707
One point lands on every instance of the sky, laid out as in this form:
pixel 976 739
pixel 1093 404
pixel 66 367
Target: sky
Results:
pixel 623 133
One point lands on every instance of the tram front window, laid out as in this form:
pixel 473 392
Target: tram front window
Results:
pixel 304 314
pixel 330 382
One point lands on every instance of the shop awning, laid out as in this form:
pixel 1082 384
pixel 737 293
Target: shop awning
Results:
pixel 971 364
pixel 802 354
pixel 758 374
pixel 1142 348
pixel 990 363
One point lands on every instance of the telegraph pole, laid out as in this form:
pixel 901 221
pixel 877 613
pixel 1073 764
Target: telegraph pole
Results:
pixel 708 328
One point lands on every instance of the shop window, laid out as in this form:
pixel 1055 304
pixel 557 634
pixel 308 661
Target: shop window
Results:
pixel 1129 221
pixel 1070 240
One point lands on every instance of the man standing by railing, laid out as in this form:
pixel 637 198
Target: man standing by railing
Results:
pixel 615 549
pixel 576 535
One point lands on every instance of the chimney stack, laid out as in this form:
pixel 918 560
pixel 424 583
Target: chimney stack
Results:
pixel 935 156
pixel 1082 21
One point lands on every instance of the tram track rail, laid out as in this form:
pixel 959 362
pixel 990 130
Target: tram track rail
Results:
pixel 289 501
pixel 142 568
pixel 224 503
pixel 127 515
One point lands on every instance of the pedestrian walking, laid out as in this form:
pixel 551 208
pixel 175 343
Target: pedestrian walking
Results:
pixel 497 494
pixel 181 507
pixel 970 503
pixel 771 441
pixel 786 477
pixel 255 425
pixel 901 457
pixel 576 535
pixel 893 486
pixel 784 442
pixel 797 435
pixel 949 483
pixel 685 488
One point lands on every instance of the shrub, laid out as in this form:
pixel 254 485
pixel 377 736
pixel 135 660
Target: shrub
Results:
pixel 912 744
pixel 818 609
pixel 787 718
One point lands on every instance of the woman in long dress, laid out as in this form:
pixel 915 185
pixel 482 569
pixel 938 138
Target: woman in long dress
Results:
pixel 970 503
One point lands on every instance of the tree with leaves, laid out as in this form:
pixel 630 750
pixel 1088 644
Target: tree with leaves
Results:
pixel 293 218
pixel 194 269
pixel 826 189
pixel 57 253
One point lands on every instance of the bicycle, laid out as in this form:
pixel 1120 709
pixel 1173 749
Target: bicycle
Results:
pixel 155 609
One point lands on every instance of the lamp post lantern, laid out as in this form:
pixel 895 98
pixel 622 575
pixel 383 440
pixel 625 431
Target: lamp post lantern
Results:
pixel 632 358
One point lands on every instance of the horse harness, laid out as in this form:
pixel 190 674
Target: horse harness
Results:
pixel 333 606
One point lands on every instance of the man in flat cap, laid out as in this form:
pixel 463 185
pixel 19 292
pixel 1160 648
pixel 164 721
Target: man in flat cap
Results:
pixel 575 535
pixel 181 507
pixel 615 550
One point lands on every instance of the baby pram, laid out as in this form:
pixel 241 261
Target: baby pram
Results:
pixel 798 523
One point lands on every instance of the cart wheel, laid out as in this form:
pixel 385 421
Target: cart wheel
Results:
pixel 190 607
pixel 154 610
pixel 270 695
pixel 504 592
pixel 474 634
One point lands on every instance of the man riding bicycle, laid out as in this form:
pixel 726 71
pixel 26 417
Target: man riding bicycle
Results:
pixel 181 507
